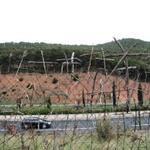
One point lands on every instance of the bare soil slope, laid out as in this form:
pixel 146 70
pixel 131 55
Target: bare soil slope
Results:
pixel 36 88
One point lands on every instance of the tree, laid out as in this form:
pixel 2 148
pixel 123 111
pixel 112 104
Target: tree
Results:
pixel 140 95
pixel 114 94
pixel 49 102
pixel 83 98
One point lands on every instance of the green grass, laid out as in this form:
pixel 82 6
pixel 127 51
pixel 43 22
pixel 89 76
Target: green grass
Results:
pixel 65 109
pixel 71 141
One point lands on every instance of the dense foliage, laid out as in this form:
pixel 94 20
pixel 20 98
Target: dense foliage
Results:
pixel 11 54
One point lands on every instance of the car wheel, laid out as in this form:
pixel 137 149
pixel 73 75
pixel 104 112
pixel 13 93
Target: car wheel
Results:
pixel 44 126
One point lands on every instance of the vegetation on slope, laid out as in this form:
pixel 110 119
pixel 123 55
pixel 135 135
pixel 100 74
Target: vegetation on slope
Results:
pixel 12 53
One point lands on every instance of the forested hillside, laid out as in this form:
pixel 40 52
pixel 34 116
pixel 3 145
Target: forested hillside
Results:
pixel 11 53
pixel 138 45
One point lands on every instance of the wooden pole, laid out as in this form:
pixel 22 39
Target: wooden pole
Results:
pixel 127 73
pixel 24 54
pixel 90 61
pixel 104 60
pixel 44 66
pixel 66 58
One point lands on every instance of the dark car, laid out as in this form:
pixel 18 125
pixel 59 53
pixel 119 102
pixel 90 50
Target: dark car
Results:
pixel 35 123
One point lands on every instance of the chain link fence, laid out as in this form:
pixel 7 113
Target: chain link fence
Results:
pixel 36 112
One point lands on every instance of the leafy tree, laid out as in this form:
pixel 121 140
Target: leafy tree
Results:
pixel 140 95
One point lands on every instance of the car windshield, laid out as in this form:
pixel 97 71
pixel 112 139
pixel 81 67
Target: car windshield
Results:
pixel 35 119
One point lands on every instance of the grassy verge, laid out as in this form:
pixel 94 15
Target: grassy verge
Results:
pixel 73 141
pixel 66 109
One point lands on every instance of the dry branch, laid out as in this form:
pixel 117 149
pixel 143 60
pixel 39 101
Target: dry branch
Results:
pixel 117 54
pixel 24 55
pixel 66 59
pixel 41 62
pixel 104 60
pixel 121 59
pixel 90 61
pixel 44 66
pixel 129 54
pixel 124 68
pixel 127 73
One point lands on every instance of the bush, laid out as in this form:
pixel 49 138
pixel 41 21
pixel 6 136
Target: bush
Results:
pixel 104 129
pixel 35 111
pixel 55 80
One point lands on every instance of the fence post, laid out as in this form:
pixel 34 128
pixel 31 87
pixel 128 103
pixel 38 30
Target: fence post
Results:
pixel 139 116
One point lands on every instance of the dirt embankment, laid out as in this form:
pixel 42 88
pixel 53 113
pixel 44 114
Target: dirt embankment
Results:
pixel 63 89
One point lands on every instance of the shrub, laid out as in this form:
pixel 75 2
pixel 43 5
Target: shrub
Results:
pixel 21 79
pixel 104 129
pixel 54 81
pixel 4 92
pixel 35 111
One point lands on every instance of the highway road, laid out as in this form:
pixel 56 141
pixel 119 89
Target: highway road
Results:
pixel 124 123
pixel 86 123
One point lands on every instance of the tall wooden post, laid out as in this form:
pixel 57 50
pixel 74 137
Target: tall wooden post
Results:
pixel 127 74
